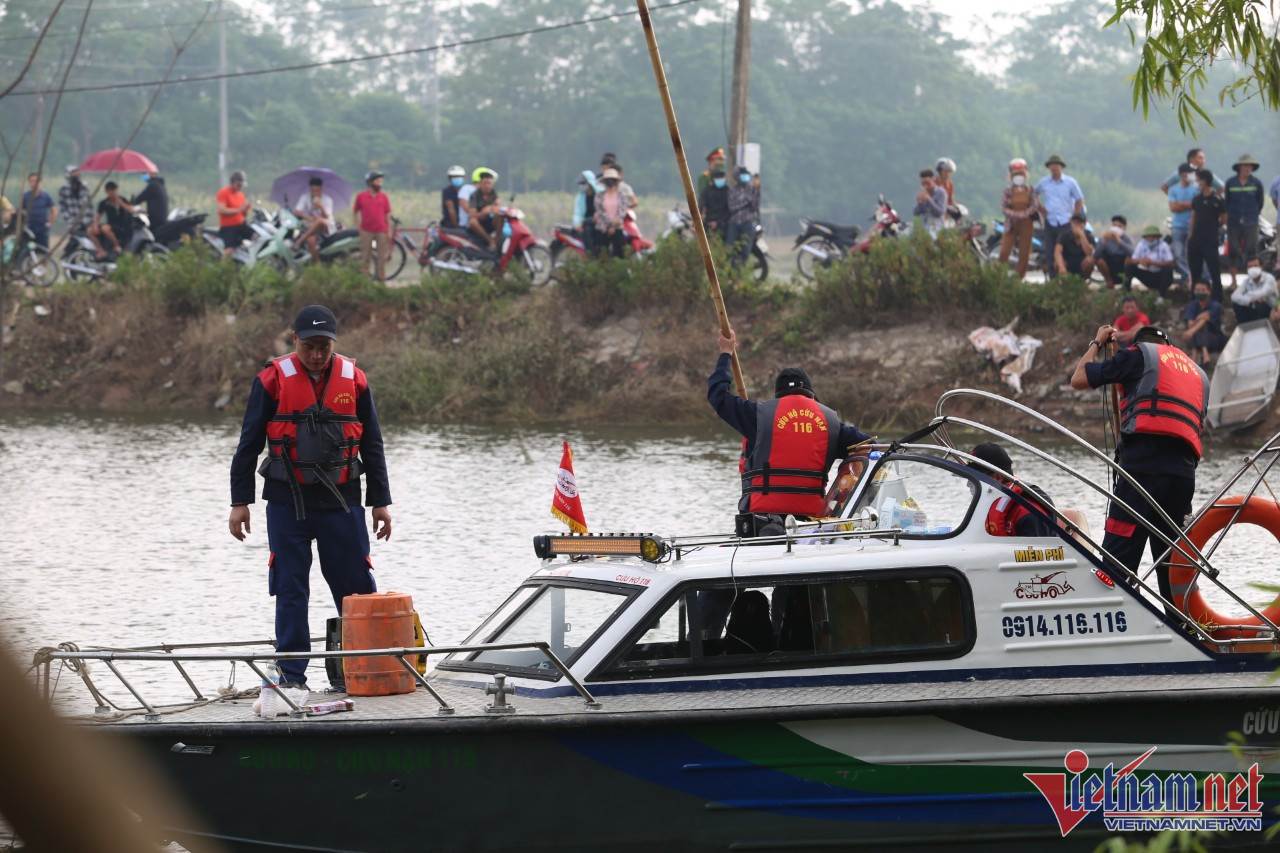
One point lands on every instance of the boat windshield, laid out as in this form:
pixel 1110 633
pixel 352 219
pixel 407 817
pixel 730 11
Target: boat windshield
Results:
pixel 918 496
pixel 564 617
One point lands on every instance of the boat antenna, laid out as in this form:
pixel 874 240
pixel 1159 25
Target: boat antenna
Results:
pixel 690 199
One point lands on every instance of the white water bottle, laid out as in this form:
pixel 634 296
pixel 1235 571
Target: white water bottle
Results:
pixel 267 695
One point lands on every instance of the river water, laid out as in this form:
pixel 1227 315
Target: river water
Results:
pixel 115 529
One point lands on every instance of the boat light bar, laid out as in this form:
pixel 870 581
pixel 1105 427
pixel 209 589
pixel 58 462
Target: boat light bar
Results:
pixel 645 546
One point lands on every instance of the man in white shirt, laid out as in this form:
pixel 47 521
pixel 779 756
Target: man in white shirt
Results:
pixel 1256 295
pixel 1151 262
pixel 316 211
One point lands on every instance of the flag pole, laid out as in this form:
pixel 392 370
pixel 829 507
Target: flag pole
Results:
pixel 690 198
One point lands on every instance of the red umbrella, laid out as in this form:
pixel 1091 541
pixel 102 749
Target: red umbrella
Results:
pixel 117 160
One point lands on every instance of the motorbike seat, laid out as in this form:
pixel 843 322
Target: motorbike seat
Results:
pixel 565 228
pixel 457 232
pixel 843 232
pixel 344 234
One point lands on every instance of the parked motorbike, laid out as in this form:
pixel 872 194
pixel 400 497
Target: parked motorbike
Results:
pixel 182 226
pixel 823 243
pixel 461 250
pixel 27 259
pixel 80 258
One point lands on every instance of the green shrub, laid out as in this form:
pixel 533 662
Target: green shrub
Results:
pixel 902 280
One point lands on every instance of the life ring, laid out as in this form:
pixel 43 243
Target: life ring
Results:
pixel 1186 595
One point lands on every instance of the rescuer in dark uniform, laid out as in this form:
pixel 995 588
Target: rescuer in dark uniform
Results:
pixel 791 442
pixel 314 412
pixel 1162 408
pixel 1008 517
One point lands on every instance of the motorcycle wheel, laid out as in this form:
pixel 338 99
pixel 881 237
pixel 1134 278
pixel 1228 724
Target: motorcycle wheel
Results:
pixel 277 264
pixel 808 264
pixel 38 268
pixel 153 253
pixel 396 260
pixel 82 258
pixel 452 255
pixel 759 266
pixel 537 260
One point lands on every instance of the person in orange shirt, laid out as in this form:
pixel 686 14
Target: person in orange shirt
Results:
pixel 1131 319
pixel 232 206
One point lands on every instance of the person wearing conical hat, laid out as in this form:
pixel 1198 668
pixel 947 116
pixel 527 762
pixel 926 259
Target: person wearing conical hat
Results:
pixel 1151 262
pixel 1245 197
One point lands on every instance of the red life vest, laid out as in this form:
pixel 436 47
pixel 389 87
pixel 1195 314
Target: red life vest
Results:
pixel 1005 513
pixel 1170 398
pixel 313 440
pixel 796 440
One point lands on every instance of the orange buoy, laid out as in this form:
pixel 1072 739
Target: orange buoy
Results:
pixel 1263 512
pixel 379 620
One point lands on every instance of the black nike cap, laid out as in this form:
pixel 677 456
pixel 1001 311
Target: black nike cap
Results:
pixel 315 320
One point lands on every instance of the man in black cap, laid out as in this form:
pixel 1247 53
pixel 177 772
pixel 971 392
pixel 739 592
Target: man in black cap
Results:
pixel 1162 407
pixel 789 442
pixel 1008 517
pixel 314 412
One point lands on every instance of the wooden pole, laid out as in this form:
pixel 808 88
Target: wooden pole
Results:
pixel 741 81
pixel 690 198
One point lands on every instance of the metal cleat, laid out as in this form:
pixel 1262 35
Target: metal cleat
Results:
pixel 499 691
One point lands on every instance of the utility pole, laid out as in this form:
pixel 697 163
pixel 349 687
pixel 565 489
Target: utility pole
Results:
pixel 741 80
pixel 222 93
pixel 433 90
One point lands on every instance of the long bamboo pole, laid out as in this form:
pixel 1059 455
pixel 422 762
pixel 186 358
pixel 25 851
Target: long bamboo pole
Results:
pixel 690 199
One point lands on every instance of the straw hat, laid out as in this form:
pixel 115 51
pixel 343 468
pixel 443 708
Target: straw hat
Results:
pixel 1245 160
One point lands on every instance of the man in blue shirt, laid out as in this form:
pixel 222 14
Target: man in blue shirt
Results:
pixel 1245 200
pixel 1204 325
pixel 1059 197
pixel 1181 194
pixel 40 210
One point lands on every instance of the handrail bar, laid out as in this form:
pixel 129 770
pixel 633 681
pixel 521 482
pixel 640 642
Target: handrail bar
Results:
pixel 110 658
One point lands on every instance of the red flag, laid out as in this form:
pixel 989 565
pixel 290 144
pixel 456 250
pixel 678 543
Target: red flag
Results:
pixel 565 503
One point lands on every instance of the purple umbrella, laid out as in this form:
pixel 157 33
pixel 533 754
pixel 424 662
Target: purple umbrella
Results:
pixel 288 189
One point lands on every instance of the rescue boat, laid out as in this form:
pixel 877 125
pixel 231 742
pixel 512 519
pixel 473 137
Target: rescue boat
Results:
pixel 891 677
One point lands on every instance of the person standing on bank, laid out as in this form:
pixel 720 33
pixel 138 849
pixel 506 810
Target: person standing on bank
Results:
pixel 372 211
pixel 1162 407
pixel 791 441
pixel 1059 199
pixel 314 412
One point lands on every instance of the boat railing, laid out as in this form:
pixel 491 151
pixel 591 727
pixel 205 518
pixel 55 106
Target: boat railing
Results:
pixel 179 654
pixel 1196 558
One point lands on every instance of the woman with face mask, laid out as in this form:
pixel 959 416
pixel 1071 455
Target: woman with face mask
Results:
pixel 449 196
pixel 1017 203
pixel 1256 295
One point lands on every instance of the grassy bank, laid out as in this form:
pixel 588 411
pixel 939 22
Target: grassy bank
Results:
pixel 610 342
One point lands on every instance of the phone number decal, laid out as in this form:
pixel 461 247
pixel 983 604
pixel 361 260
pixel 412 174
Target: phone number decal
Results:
pixel 1065 624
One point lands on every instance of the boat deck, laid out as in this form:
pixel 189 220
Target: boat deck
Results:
pixel 469 703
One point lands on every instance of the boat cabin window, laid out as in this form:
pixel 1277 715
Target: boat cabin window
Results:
pixel 921 498
pixel 763 624
pixel 564 617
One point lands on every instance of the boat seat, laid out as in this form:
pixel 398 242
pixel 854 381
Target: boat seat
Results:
pixel 843 620
pixel 749 630
pixel 793 618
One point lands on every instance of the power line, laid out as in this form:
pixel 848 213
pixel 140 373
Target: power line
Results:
pixel 329 11
pixel 311 66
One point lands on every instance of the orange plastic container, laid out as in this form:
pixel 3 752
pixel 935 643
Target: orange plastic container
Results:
pixel 380 620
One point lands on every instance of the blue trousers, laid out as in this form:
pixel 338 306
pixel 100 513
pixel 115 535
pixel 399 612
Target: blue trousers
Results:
pixel 342 540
